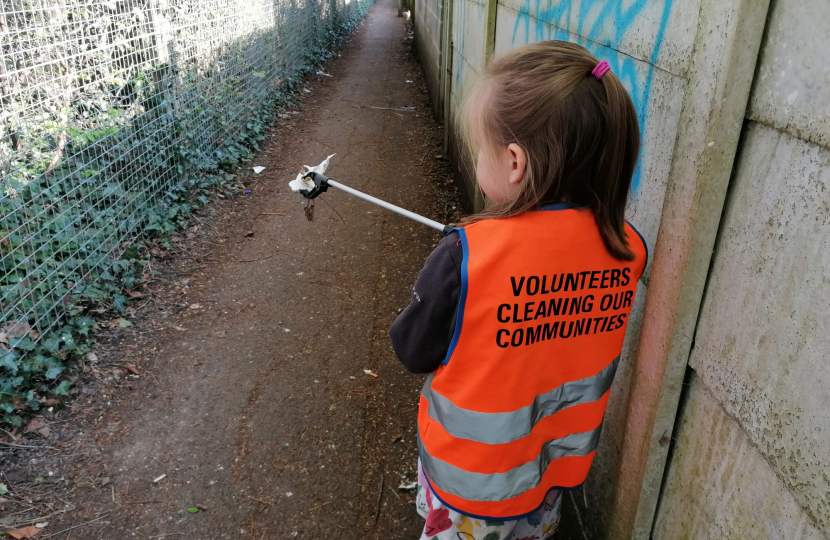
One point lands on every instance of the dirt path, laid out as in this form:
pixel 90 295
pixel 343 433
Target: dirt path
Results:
pixel 255 403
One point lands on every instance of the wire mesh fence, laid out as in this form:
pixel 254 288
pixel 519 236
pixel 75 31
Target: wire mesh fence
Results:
pixel 107 109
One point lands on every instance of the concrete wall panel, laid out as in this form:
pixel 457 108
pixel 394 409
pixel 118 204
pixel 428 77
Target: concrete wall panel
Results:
pixel 659 32
pixel 792 90
pixel 428 43
pixel 604 469
pixel 764 334
pixel 468 33
pixel 720 486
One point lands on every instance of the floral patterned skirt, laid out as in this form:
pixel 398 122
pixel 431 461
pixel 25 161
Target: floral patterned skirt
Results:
pixel 444 523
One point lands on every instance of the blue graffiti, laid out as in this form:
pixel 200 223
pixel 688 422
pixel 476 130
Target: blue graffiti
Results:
pixel 553 21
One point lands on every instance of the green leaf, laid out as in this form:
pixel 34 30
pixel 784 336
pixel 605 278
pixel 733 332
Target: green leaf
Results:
pixel 9 361
pixel 193 510
pixel 53 372
pixel 32 401
pixel 13 419
pixel 62 389
pixel 25 343
pixel 124 323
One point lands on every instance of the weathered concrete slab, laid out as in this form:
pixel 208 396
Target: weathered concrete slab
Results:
pixel 659 32
pixel 428 43
pixel 604 469
pixel 727 41
pixel 658 98
pixel 792 89
pixel 464 76
pixel 764 334
pixel 720 486
pixel 470 18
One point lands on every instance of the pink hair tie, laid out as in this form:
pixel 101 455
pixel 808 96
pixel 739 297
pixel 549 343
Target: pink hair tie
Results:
pixel 601 69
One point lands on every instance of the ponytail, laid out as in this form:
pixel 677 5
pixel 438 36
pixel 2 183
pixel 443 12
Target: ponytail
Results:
pixel 615 167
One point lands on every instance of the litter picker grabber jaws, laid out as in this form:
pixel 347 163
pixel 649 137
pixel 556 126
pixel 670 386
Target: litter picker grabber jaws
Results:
pixel 322 184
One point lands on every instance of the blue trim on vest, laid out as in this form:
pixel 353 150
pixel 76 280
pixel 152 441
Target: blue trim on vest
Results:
pixel 556 206
pixel 462 298
pixel 495 518
pixel 643 240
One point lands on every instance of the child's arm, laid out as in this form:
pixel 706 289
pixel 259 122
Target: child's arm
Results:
pixel 422 333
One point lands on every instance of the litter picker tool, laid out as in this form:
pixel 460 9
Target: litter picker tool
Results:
pixel 312 183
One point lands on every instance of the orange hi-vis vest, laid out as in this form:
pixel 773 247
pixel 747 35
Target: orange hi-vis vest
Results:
pixel 516 407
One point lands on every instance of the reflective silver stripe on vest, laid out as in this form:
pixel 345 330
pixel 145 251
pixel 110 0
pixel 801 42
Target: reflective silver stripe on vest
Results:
pixel 474 486
pixel 505 427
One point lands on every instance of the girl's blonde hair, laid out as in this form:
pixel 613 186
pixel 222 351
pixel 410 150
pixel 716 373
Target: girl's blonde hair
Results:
pixel 580 134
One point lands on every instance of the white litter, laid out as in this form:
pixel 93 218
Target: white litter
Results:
pixel 323 73
pixel 408 487
pixel 258 169
pixel 160 478
pixel 298 184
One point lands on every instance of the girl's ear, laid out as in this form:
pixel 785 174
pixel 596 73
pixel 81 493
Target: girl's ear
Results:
pixel 518 163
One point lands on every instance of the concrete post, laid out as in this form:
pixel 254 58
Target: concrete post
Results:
pixel 724 56
pixel 446 69
pixel 490 36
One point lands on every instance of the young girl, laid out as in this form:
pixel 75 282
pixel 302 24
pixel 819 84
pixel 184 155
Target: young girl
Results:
pixel 519 314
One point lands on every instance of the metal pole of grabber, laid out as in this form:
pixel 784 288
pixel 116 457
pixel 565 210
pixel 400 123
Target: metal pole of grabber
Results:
pixel 389 206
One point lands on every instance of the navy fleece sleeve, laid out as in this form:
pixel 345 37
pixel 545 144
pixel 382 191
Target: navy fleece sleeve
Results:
pixel 422 333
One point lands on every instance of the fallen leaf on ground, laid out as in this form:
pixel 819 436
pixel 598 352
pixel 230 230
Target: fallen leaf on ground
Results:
pixel 35 425
pixel 130 368
pixel 16 329
pixel 193 510
pixel 19 403
pixel 25 532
